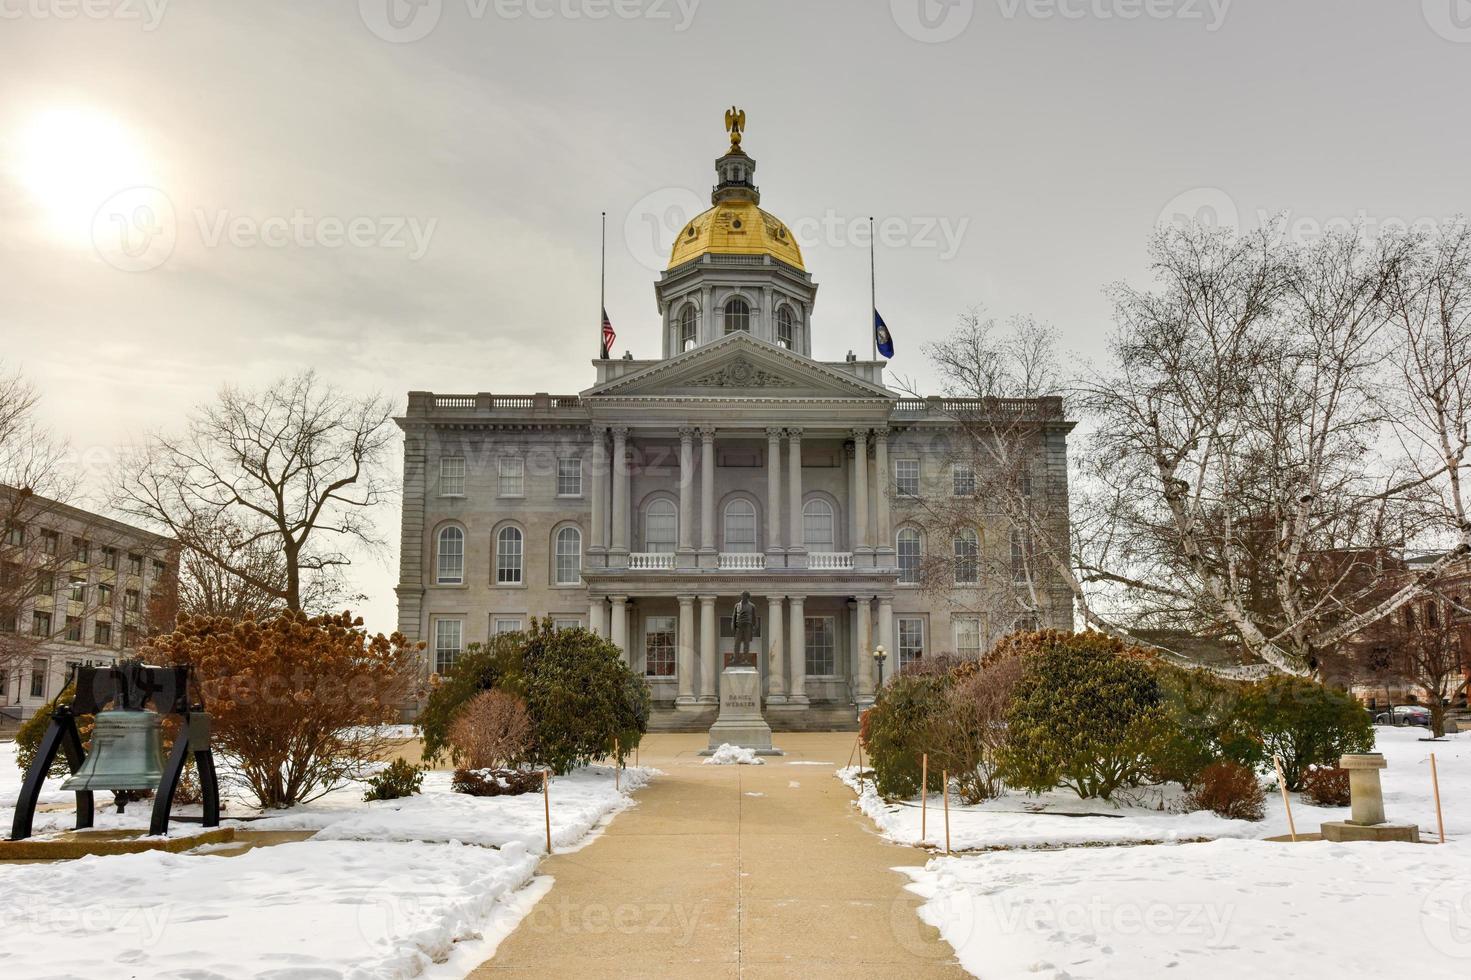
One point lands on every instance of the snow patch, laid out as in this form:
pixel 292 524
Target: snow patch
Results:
pixel 733 755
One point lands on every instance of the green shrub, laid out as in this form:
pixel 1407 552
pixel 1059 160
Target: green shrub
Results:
pixel 1085 714
pixel 1305 723
pixel 969 731
pixel 33 729
pixel 1230 790
pixel 399 780
pixel 898 731
pixel 581 697
pixel 1204 724
pixel 496 666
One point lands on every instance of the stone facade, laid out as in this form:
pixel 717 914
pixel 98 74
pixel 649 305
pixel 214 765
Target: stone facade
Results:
pixel 643 506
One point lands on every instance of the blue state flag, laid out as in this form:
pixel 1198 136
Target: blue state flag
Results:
pixel 881 335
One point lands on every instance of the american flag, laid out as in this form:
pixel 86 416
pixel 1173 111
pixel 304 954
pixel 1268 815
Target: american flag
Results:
pixel 608 334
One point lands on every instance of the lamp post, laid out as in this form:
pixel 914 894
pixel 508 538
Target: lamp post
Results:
pixel 879 656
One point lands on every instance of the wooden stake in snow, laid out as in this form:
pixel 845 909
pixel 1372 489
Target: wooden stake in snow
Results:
pixel 924 795
pixel 546 799
pixel 617 767
pixel 1435 783
pixel 855 749
pixel 1286 801
pixel 945 779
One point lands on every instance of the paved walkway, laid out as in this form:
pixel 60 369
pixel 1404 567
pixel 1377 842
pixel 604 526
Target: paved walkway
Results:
pixel 731 871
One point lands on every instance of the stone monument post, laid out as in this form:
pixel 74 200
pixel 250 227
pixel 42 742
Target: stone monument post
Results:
pixel 740 721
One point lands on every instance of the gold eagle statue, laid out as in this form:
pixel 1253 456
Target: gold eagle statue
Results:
pixel 735 124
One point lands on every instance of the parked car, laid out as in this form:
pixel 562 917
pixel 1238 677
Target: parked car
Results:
pixel 1405 714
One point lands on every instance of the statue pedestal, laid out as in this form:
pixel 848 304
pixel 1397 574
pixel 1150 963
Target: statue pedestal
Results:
pixel 740 722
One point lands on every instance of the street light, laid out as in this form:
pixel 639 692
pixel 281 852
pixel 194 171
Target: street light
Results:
pixel 879 656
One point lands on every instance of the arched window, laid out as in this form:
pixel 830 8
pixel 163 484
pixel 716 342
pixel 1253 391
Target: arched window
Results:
pixel 908 548
pixel 737 316
pixel 967 558
pixel 569 556
pixel 451 556
pixel 740 526
pixel 661 527
pixel 687 327
pixel 784 333
pixel 508 552
pixel 817 525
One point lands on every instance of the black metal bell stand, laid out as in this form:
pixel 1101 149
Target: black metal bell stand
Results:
pixel 127 687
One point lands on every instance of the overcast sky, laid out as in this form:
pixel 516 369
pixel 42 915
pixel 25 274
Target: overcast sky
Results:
pixel 406 195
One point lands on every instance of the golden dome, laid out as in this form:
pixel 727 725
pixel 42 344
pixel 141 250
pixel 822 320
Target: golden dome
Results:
pixel 736 228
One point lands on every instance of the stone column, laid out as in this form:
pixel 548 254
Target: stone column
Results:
pixel 883 537
pixel 708 669
pixel 860 491
pixel 686 496
pixel 620 491
pixel 849 455
pixel 618 634
pixel 686 652
pixel 598 491
pixel 886 634
pixel 776 670
pixel 798 648
pixel 707 494
pixel 596 621
pixel 773 494
pixel 863 640
pixel 797 550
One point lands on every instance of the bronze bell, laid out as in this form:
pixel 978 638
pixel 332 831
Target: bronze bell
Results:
pixel 126 754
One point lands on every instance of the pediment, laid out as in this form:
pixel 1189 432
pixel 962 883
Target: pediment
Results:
pixel 740 366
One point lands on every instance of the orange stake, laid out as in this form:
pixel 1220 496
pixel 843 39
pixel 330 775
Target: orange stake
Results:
pixel 1435 782
pixel 945 778
pixel 1286 801
pixel 617 767
pixel 546 799
pixel 924 796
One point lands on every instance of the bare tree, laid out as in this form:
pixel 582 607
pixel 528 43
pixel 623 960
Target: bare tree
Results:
pixel 34 481
pixel 1238 481
pixel 267 488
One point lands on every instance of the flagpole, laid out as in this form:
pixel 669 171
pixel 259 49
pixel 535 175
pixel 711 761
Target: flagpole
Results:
pixel 873 302
pixel 603 288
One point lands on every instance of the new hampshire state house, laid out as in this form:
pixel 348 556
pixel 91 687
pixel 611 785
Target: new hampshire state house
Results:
pixel 643 506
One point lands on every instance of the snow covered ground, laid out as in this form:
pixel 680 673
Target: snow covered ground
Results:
pixel 1236 906
pixel 426 886
pixel 1060 818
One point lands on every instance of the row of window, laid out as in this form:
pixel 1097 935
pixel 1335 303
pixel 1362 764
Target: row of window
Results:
pixel 661 650
pixel 737 319
pixel 510 476
pixel 40 669
pixel 49 542
pixel 510 556
pixel 740 536
pixel 43 626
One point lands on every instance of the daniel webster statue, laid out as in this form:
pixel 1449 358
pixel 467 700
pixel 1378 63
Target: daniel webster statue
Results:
pixel 743 620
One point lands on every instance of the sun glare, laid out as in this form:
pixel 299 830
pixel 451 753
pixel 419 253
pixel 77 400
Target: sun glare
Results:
pixel 73 159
